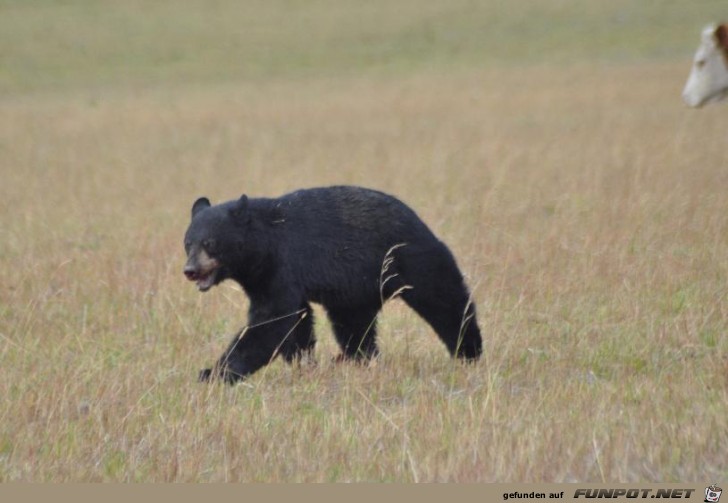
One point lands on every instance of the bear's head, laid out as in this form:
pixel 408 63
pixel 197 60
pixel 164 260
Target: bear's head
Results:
pixel 211 239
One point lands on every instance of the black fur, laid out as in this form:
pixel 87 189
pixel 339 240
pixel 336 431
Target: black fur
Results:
pixel 347 248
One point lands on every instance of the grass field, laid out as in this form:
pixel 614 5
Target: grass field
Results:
pixel 544 141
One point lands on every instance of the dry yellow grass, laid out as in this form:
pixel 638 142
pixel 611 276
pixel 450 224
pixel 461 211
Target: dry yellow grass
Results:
pixel 587 207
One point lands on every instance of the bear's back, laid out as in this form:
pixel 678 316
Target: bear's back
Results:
pixel 352 210
pixel 337 238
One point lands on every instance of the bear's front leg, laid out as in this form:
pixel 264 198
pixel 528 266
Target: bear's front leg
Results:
pixel 248 352
pixel 269 333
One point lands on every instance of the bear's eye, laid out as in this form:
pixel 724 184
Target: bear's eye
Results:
pixel 209 245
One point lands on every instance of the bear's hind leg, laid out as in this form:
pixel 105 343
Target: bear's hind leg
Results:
pixel 436 290
pixel 452 318
pixel 355 330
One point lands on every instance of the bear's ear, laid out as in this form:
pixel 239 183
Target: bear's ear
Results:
pixel 240 208
pixel 200 205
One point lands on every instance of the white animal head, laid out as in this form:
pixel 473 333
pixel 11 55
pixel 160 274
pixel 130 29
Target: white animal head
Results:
pixel 708 80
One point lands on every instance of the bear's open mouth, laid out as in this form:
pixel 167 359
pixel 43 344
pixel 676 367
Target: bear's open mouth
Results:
pixel 206 281
pixel 205 278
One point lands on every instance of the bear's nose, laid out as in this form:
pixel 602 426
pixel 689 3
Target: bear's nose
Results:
pixel 190 273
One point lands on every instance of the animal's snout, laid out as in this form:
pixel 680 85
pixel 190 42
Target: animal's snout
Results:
pixel 191 273
pixel 690 99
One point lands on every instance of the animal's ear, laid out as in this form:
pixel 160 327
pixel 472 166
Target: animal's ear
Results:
pixel 721 35
pixel 240 208
pixel 200 205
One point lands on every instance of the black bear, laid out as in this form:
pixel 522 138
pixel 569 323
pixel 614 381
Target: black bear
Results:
pixel 346 248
